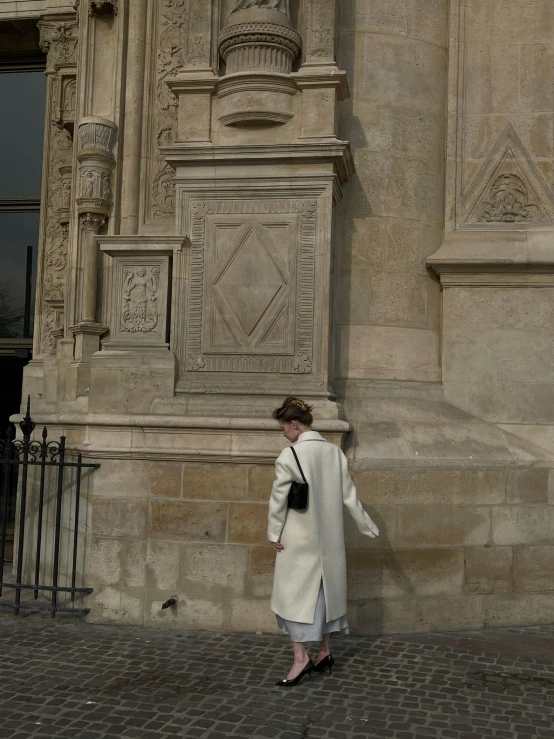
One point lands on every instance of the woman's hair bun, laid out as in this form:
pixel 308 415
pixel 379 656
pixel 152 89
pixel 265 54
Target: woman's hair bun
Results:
pixel 297 403
pixel 294 409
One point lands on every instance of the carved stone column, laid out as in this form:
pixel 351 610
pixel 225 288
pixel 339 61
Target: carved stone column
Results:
pixel 94 202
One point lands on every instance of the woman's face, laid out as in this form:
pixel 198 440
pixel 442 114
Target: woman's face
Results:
pixel 292 430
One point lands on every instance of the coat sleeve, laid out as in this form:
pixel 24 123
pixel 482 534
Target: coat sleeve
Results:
pixel 351 501
pixel 278 501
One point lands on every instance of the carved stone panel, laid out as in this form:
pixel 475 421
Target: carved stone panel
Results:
pixel 251 286
pixel 139 301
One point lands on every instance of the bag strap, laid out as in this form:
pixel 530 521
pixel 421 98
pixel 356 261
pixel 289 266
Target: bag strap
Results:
pixel 298 463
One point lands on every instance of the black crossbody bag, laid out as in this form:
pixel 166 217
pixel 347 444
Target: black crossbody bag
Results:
pixel 298 493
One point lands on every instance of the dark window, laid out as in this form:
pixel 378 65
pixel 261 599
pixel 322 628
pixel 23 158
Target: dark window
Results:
pixel 23 95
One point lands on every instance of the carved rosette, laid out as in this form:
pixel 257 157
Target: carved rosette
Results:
pixel 259 48
pixel 96 163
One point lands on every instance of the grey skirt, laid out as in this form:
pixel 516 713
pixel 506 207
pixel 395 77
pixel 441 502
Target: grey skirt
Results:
pixel 313 632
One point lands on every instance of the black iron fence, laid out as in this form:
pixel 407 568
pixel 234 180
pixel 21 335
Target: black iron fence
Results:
pixel 46 479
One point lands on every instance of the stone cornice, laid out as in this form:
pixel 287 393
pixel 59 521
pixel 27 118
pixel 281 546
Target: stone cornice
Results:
pixel 524 252
pixel 334 151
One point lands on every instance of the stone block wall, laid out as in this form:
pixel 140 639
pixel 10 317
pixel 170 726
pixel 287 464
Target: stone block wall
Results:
pixel 459 548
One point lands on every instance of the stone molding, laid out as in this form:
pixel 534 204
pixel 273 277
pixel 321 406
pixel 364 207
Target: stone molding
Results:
pixel 335 151
pixel 261 98
pixel 512 258
pixel 130 436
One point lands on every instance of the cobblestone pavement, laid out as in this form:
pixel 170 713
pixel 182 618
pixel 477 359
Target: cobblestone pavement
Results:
pixel 85 682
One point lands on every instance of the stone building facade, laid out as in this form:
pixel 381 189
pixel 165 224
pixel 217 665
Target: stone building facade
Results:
pixel 347 200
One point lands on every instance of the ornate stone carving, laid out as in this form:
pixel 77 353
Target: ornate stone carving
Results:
pixel 140 299
pixel 92 222
pixel 54 266
pixel 139 295
pixel 170 58
pixel 47 342
pixel 251 286
pixel 263 43
pixel 509 188
pixel 97 139
pixel 508 202
pixel 103 7
pixel 259 47
pixel 97 134
pixel 282 5
pixel 59 41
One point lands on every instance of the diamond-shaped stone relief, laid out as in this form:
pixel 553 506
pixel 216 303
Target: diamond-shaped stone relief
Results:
pixel 251 299
pixel 250 282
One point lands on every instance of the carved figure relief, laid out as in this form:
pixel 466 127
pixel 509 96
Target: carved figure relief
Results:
pixel 281 5
pixel 140 310
pixel 95 184
pixel 69 94
pixel 508 201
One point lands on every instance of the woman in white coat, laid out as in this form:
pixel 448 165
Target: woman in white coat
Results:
pixel 309 586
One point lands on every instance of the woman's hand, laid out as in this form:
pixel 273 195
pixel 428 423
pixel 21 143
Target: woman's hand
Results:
pixel 278 546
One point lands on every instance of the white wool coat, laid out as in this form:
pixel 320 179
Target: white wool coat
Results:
pixel 313 540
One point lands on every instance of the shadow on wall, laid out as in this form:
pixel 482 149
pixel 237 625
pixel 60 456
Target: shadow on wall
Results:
pixel 368 560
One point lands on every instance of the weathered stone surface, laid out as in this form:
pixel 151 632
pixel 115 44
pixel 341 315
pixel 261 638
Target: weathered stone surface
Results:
pixel 119 517
pixel 444 525
pixel 252 614
pixel 103 558
pixel 394 353
pixel 522 525
pixel 214 482
pixel 528 485
pixel 488 570
pixel 516 608
pixel 262 564
pixel 385 517
pixel 399 616
pixel 248 523
pixel 164 565
pixel 214 569
pixel 188 521
pixel 430 487
pixel 533 569
pixel 165 479
pixel 404 573
pixel 260 482
pixel 191 612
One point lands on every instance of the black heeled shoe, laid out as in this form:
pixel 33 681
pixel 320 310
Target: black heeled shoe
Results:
pixel 326 662
pixel 289 683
